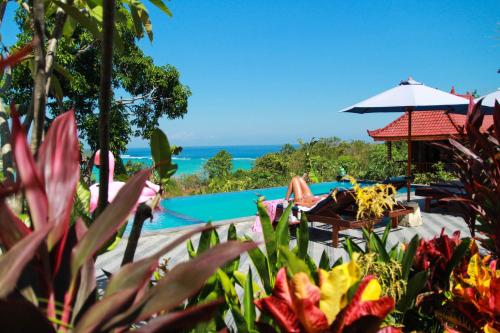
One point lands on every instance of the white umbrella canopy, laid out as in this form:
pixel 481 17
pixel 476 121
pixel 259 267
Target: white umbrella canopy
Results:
pixel 488 103
pixel 410 96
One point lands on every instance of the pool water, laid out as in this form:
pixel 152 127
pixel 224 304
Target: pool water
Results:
pixel 195 209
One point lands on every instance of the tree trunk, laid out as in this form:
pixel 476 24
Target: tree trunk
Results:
pixel 39 97
pixel 6 148
pixel 3 5
pixel 143 213
pixel 105 100
pixel 52 45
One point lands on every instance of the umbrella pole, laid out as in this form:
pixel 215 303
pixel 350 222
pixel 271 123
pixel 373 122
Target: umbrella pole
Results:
pixel 408 180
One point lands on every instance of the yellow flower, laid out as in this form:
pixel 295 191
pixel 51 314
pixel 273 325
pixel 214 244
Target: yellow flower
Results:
pixel 334 286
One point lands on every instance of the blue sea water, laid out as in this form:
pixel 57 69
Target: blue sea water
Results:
pixel 192 159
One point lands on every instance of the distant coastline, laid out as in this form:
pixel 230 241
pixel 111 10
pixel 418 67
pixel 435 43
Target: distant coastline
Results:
pixel 192 158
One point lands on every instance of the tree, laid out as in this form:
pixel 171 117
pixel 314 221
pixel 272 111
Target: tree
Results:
pixel 220 165
pixel 150 91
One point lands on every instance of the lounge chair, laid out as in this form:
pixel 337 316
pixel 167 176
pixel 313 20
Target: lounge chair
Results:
pixel 438 191
pixel 340 213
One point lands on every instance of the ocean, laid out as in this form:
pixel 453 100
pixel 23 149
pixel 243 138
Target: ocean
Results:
pixel 192 159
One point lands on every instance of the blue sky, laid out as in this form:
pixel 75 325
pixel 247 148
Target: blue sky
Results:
pixel 269 72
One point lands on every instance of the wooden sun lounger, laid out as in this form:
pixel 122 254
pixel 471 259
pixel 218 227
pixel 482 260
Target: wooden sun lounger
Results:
pixel 347 220
pixel 437 192
pixel 340 213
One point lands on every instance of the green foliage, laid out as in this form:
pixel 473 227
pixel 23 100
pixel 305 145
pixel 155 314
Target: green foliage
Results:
pixel 154 91
pixel 439 174
pixel 219 166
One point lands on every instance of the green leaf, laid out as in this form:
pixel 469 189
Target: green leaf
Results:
pixel 293 263
pixel 109 221
pixel 190 249
pixel 161 5
pixel 69 27
pixel 248 305
pixel 379 248
pixel 408 257
pixel 413 288
pixel 457 256
pixel 337 262
pixel 232 266
pixel 351 247
pixel 63 71
pixel 88 22
pixel 136 20
pixel 385 236
pixel 241 279
pixel 261 263
pixel 269 236
pixel 324 262
pixel 283 229
pixel 303 237
pixel 205 240
pixel 228 288
pixel 162 154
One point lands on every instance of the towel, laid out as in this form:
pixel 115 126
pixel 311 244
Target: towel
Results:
pixel 270 206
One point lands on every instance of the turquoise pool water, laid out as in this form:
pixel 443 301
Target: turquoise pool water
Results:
pixel 182 211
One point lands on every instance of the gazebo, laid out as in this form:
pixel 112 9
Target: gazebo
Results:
pixel 429 126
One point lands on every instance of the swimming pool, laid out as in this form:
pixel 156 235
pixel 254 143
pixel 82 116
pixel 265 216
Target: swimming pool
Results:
pixel 195 209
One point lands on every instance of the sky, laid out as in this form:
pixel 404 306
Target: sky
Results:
pixel 270 72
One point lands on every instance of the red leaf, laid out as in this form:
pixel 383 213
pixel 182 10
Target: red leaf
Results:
pixel 12 229
pixel 22 316
pixel 110 220
pixel 367 315
pixel 60 168
pixel 181 321
pixel 104 310
pixel 13 262
pixel 31 179
pixel 16 57
pixel 136 274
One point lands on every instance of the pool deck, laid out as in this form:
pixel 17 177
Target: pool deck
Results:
pixel 320 238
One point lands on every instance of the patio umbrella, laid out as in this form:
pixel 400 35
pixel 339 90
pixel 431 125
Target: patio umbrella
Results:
pixel 488 103
pixel 410 96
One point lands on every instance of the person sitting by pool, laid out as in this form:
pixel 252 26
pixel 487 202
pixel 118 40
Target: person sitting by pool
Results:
pixel 302 194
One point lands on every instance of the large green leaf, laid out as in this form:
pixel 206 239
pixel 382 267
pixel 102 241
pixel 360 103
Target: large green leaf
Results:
pixel 351 247
pixel 13 262
pixel 261 264
pixel 161 5
pixel 293 263
pixel 457 256
pixel 408 257
pixel 386 233
pixel 413 288
pixel 182 282
pixel 303 237
pixel 269 235
pixel 109 221
pixel 88 22
pixel 248 305
pixel 324 262
pixel 283 228
pixel 377 243
pixel 232 266
pixel 162 154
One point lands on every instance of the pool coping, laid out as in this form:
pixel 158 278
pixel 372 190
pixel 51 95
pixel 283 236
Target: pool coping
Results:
pixel 186 227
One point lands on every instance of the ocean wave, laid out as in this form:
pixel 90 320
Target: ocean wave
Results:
pixel 182 158
pixel 130 157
